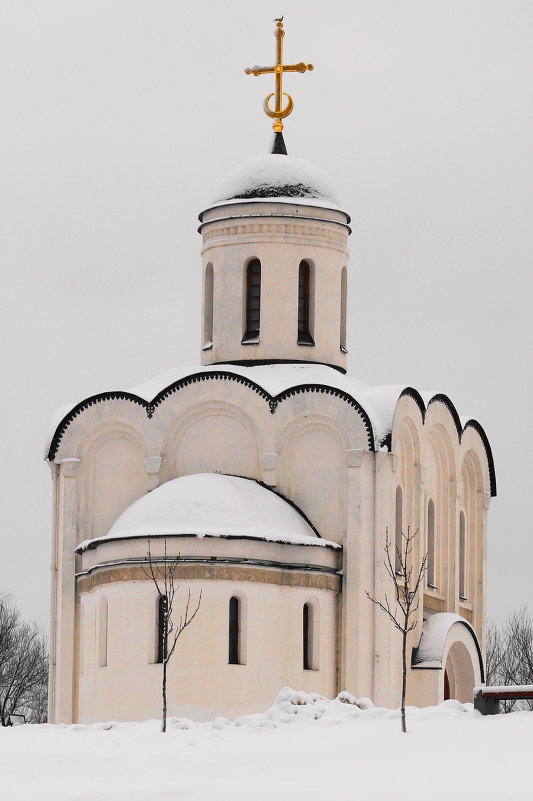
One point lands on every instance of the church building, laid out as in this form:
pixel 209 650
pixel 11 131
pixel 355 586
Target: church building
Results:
pixel 275 476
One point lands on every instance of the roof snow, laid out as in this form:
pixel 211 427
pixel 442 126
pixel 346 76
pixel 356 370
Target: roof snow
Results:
pixel 378 402
pixel 434 632
pixel 214 505
pixel 273 176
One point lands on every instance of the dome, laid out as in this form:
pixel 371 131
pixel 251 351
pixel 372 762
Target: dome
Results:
pixel 274 176
pixel 214 505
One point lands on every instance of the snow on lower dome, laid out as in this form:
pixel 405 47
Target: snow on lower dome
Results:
pixel 275 176
pixel 214 505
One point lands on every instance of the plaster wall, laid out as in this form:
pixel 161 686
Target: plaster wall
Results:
pixel 201 683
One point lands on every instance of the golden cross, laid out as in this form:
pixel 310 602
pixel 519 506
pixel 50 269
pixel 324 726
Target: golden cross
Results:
pixel 278 113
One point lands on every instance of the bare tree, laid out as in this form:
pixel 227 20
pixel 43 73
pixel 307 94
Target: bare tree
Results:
pixel 399 567
pixel 23 666
pixel 510 655
pixel 162 571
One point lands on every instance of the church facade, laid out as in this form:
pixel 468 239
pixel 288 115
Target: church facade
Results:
pixel 274 476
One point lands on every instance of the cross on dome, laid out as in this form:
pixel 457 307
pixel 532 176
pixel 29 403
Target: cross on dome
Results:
pixel 278 113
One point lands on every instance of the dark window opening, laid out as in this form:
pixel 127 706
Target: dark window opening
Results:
pixel 462 557
pixel 304 304
pixel 431 550
pixel 307 641
pixel 344 295
pixel 162 628
pixel 208 307
pixel 234 632
pixel 253 303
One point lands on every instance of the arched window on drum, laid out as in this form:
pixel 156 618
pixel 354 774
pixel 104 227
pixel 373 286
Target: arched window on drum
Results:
pixel 209 287
pixel 252 303
pixel 344 300
pixel 305 303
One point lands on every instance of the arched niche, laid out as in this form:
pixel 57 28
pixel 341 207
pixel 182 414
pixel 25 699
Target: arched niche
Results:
pixel 214 440
pixel 114 477
pixel 472 507
pixel 406 445
pixel 440 459
pixel 462 670
pixel 313 475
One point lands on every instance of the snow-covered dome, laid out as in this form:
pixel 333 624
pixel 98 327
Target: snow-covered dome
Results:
pixel 276 176
pixel 214 505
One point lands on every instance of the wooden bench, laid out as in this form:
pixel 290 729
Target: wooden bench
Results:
pixel 487 699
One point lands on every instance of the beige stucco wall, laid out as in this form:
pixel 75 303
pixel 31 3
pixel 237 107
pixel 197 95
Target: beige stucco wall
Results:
pixel 201 683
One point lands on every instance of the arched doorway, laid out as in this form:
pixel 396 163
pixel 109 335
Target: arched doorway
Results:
pixel 459 677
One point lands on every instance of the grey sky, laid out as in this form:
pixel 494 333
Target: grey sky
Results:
pixel 118 119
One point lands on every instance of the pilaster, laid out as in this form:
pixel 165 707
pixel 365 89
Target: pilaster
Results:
pixel 65 595
pixel 357 629
pixel 152 465
pixel 385 465
pixel 269 463
pixel 452 557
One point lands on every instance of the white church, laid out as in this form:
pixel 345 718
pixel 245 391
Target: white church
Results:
pixel 274 475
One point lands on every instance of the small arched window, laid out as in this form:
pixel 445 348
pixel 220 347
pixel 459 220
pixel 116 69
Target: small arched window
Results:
pixel 308 637
pixel 234 650
pixel 305 303
pixel 462 557
pixel 161 628
pixel 431 574
pixel 102 632
pixel 398 531
pixel 208 307
pixel 344 299
pixel 253 303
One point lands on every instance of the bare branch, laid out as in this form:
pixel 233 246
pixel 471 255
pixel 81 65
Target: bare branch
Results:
pixel 406 593
pixel 162 571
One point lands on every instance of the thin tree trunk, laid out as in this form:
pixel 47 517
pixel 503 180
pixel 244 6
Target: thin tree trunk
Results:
pixel 404 676
pixel 164 689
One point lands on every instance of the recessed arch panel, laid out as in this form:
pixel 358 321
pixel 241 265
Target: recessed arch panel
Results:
pixel 313 475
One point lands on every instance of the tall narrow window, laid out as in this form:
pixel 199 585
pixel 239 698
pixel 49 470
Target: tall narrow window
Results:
pixel 304 304
pixel 344 295
pixel 161 628
pixel 102 632
pixel 234 631
pixel 308 637
pixel 208 307
pixel 253 303
pixel 462 557
pixel 398 529
pixel 431 545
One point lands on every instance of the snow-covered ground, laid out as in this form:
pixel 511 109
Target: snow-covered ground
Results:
pixel 304 747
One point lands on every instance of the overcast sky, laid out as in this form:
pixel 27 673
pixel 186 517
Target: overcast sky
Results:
pixel 120 117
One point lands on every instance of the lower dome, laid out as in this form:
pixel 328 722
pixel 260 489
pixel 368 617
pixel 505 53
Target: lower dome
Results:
pixel 215 505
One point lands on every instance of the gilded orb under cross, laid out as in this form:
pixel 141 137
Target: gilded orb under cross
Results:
pixel 278 113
